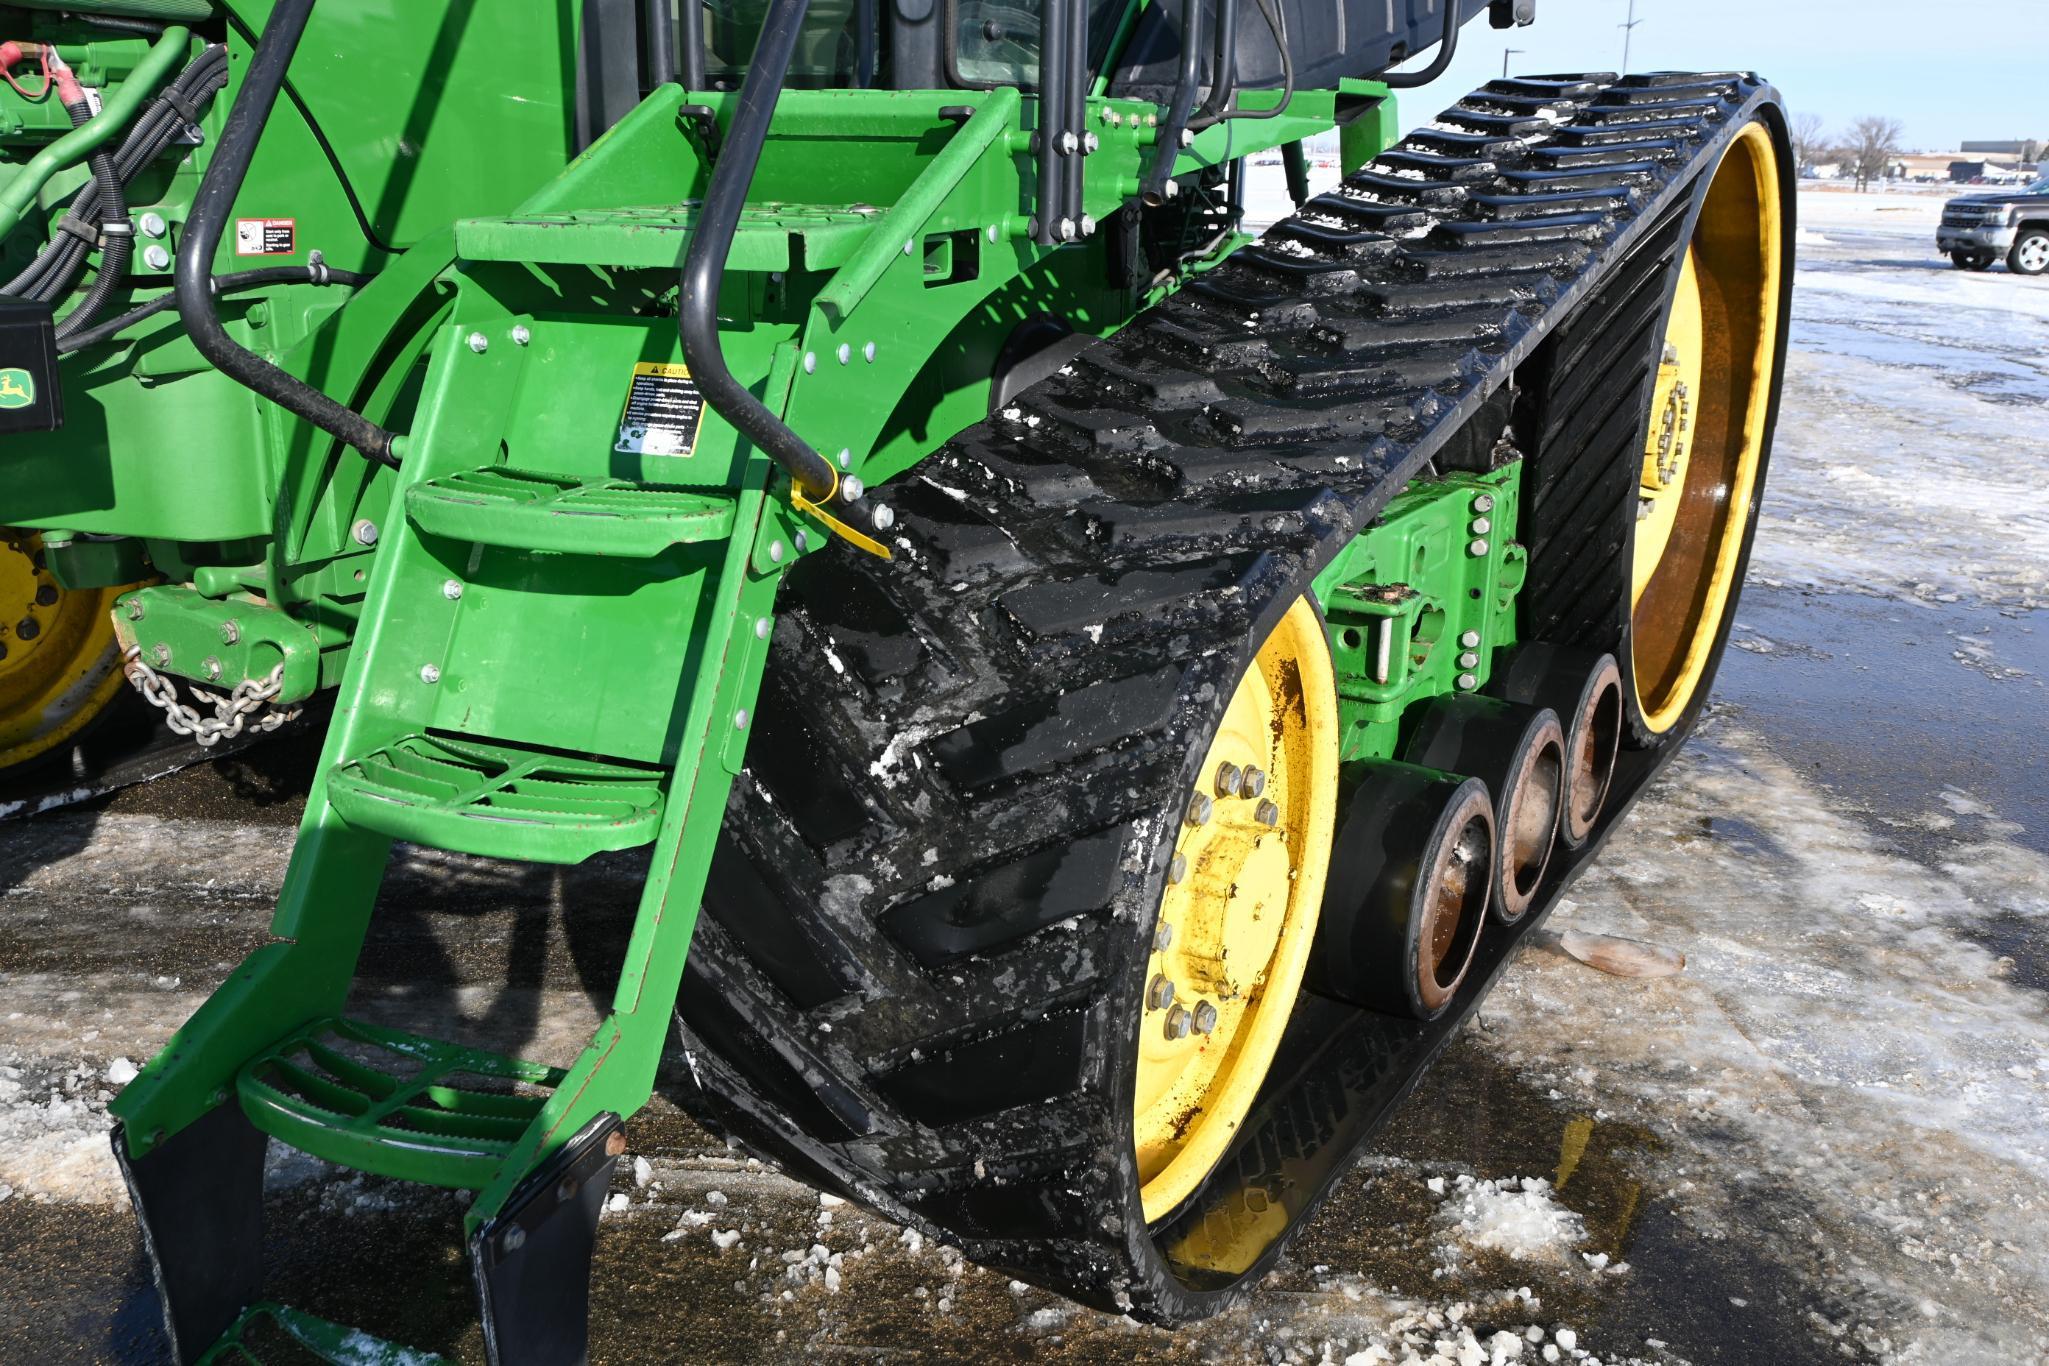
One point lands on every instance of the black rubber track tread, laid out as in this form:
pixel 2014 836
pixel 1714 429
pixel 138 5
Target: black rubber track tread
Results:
pixel 1079 582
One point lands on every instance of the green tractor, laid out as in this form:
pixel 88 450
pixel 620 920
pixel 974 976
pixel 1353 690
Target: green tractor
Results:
pixel 1102 696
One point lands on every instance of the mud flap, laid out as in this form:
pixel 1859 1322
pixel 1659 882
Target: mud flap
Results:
pixel 199 1197
pixel 532 1263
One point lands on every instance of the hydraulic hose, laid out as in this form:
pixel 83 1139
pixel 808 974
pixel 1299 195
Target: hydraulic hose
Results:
pixel 1154 189
pixel 1447 46
pixel 211 209
pixel 704 269
pixel 80 143
pixel 117 233
pixel 222 284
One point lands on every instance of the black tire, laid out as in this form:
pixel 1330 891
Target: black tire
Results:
pixel 2030 252
pixel 1972 260
pixel 918 975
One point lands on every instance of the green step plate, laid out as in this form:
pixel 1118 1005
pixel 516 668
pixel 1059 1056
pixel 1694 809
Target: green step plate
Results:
pixel 499 800
pixel 270 1334
pixel 529 511
pixel 394 1104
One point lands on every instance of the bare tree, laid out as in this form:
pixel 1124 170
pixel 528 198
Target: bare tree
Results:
pixel 1810 142
pixel 1871 144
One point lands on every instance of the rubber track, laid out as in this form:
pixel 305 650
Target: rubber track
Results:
pixel 916 980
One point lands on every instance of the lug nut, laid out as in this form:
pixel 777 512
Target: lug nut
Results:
pixel 1253 784
pixel 1177 869
pixel 1159 993
pixel 1163 937
pixel 1205 1017
pixel 1230 779
pixel 1177 1023
pixel 1199 808
pixel 1267 813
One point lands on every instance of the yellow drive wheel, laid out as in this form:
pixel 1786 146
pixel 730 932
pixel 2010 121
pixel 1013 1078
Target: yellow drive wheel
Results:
pixel 1707 431
pixel 59 665
pixel 1239 912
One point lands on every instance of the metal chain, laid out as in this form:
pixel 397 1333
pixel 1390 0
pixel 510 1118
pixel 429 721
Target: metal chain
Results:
pixel 232 714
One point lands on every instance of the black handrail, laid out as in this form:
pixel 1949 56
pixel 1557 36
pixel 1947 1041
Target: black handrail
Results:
pixel 697 317
pixel 1409 80
pixel 212 207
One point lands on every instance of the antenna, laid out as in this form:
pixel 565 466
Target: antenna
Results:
pixel 1629 32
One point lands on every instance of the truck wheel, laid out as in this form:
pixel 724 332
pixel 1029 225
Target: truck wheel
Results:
pixel 1972 260
pixel 2030 254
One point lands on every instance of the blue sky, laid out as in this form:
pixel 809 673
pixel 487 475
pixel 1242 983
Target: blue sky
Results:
pixel 1965 69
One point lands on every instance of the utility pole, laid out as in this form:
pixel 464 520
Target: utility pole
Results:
pixel 1506 53
pixel 1628 32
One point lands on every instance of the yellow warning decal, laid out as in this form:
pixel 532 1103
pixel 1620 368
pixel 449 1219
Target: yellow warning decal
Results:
pixel 664 409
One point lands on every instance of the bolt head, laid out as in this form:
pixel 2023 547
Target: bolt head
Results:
pixel 1152 120
pixel 153 225
pixel 740 719
pixel 1088 225
pixel 1187 137
pixel 1230 779
pixel 1068 142
pixel 522 335
pixel 1067 230
pixel 162 652
pixel 212 666
pixel 1267 813
pixel 1477 549
pixel 1177 1023
pixel 1205 1017
pixel 1484 503
pixel 1159 993
pixel 776 552
pixel 135 609
pixel 1469 660
pixel 868 352
pixel 451 589
pixel 802 539
pixel 365 532
pixel 1254 783
pixel 810 362
pixel 1481 526
pixel 155 257
pixel 1199 808
pixel 762 628
pixel 231 632
pixel 1466 682
pixel 990 232
pixel 1090 142
pixel 846 457
pixel 514 1239
pixel 1163 936
pixel 1469 639
pixel 1172 191
pixel 845 353
pixel 479 343
pixel 430 673
pixel 1177 869
pixel 851 489
pixel 885 517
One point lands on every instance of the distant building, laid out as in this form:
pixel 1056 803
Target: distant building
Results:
pixel 2030 150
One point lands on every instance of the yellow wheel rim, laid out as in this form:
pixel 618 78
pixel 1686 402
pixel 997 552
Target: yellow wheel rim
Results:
pixel 1707 430
pixel 60 666
pixel 1239 912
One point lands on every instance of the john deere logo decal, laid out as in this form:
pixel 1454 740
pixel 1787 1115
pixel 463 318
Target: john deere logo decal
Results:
pixel 17 388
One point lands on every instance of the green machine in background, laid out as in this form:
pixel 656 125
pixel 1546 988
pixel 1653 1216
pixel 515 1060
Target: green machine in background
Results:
pixel 1094 689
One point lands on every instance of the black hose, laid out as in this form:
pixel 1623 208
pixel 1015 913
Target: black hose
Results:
pixel 697 316
pixel 222 284
pixel 1409 80
pixel 1154 189
pixel 49 277
pixel 661 43
pixel 1223 82
pixel 692 21
pixel 1273 26
pixel 211 208
pixel 117 236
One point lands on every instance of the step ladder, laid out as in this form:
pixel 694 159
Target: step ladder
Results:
pixel 501 586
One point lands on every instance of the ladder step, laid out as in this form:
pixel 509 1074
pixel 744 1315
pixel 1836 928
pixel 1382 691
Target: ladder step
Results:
pixel 394 1104
pixel 530 511
pixel 499 800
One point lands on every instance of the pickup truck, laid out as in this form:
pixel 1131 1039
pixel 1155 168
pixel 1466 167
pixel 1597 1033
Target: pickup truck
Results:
pixel 1978 229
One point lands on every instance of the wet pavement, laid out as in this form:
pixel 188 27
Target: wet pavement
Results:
pixel 1826 1140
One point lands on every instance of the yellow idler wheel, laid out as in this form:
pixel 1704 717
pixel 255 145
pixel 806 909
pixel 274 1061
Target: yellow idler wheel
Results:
pixel 1239 913
pixel 1707 431
pixel 59 665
